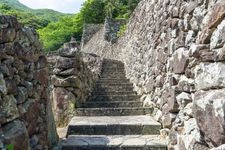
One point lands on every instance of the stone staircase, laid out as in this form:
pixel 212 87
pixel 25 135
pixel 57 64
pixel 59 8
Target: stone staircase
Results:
pixel 113 118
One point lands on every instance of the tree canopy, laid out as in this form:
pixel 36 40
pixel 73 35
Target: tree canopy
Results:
pixel 57 33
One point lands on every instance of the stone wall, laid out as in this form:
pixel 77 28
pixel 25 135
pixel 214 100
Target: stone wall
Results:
pixel 26 119
pixel 111 29
pixel 173 52
pixel 102 41
pixel 74 76
pixel 88 32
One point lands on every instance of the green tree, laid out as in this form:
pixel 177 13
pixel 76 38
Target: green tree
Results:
pixel 93 11
pixel 55 34
pixel 5 7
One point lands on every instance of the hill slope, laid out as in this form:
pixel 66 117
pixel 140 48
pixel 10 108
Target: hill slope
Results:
pixel 15 4
pixel 38 18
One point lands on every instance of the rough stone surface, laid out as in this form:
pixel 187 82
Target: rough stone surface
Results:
pixel 117 141
pixel 209 107
pixel 16 134
pixel 107 120
pixel 113 125
pixel 73 77
pixel 176 45
pixel 24 98
pixel 89 31
pixel 219 148
pixel 213 73
pixel 103 116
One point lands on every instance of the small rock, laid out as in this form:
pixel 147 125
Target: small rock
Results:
pixel 22 95
pixel 188 110
pixel 34 141
pixel 8 108
pixel 180 61
pixel 164 133
pixel 183 99
pixel 3 88
pixel 68 52
pixel 168 119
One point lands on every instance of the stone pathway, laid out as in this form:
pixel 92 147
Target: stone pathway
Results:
pixel 113 118
pixel 137 142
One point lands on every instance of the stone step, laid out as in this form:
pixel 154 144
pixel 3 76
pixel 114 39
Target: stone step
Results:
pixel 114 142
pixel 114 79
pixel 122 111
pixel 110 61
pixel 106 82
pixel 113 64
pixel 112 104
pixel 112 69
pixel 113 125
pixel 114 84
pixel 113 76
pixel 113 88
pixel 114 98
pixel 105 92
pixel 108 64
pixel 109 72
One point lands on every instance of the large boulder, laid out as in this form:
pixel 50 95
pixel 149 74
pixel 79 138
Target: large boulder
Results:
pixel 71 81
pixel 15 133
pixel 208 110
pixel 66 63
pixel 217 39
pixel 190 135
pixel 63 105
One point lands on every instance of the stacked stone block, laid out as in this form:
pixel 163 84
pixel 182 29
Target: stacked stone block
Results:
pixel 26 120
pixel 73 77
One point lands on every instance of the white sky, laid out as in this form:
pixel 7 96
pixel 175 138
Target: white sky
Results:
pixel 66 6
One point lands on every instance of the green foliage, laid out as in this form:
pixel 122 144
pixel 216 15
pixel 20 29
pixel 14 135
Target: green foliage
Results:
pixel 10 147
pixel 93 11
pixel 48 14
pixel 55 34
pixel 5 7
pixel 122 30
pixel 120 8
